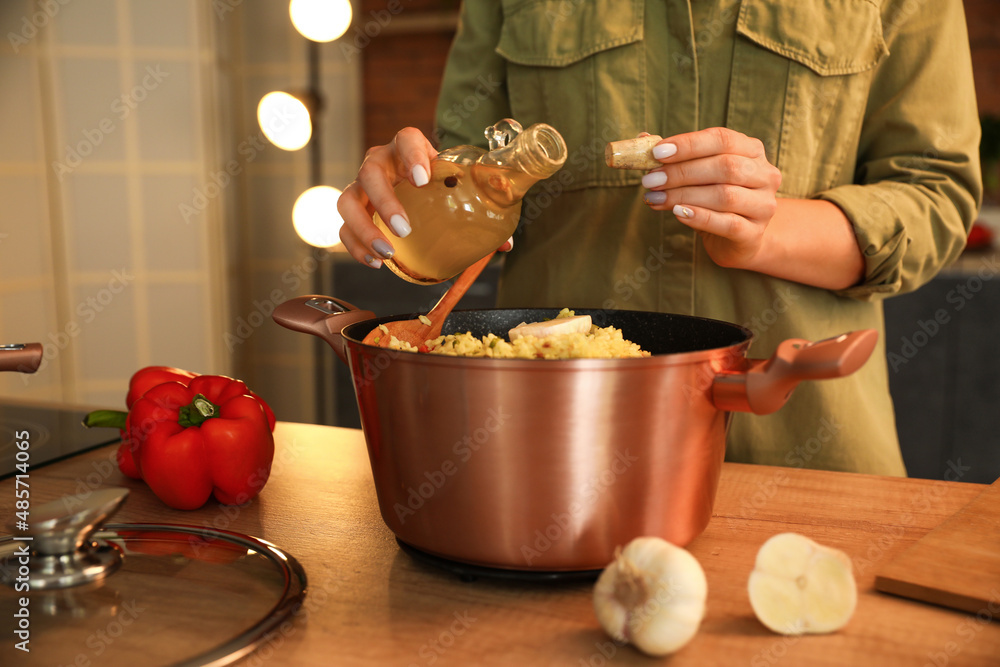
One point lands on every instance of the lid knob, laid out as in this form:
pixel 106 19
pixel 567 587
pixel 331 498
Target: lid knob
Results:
pixel 58 535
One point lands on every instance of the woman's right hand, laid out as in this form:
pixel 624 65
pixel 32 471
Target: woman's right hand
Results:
pixel 407 156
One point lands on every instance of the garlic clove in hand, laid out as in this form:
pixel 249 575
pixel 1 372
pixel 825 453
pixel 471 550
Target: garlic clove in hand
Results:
pixel 798 586
pixel 652 596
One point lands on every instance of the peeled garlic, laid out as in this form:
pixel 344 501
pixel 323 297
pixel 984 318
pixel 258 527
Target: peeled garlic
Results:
pixel 798 586
pixel 652 596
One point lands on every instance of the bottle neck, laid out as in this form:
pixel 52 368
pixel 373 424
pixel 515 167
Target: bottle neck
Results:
pixel 535 154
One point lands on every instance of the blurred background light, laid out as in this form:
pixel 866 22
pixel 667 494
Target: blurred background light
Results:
pixel 285 120
pixel 315 216
pixel 320 20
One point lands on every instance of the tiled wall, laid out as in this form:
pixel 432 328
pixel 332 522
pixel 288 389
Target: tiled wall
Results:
pixel 143 218
pixel 270 261
pixel 103 135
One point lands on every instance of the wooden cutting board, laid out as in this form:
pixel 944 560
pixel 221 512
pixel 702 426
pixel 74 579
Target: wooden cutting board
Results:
pixel 955 565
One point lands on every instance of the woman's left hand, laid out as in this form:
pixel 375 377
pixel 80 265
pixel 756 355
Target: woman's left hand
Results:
pixel 718 182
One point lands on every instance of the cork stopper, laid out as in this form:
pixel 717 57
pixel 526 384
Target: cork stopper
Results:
pixel 632 153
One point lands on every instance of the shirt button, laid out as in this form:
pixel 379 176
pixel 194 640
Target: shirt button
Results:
pixel 827 48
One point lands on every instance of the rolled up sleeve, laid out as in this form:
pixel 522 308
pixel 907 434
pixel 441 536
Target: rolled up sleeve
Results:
pixel 918 185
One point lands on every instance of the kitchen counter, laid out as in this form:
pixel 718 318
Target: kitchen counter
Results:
pixel 370 603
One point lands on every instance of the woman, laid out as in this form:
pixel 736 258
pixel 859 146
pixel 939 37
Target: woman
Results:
pixel 818 156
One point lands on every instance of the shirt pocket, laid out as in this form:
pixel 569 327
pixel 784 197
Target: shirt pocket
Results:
pixel 800 80
pixel 579 66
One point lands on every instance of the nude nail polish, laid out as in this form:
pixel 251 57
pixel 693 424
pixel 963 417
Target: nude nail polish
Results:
pixel 654 179
pixel 419 175
pixel 661 151
pixel 399 225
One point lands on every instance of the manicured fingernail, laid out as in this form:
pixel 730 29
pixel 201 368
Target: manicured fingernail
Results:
pixel 654 179
pixel 661 151
pixel 383 249
pixel 508 245
pixel 372 262
pixel 683 212
pixel 655 197
pixel 419 175
pixel 399 225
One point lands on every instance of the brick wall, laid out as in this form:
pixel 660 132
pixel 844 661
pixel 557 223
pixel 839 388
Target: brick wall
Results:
pixel 983 18
pixel 403 62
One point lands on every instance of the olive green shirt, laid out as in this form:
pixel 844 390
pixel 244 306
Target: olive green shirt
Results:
pixel 866 103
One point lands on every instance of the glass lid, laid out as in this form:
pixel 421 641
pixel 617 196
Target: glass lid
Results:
pixel 138 594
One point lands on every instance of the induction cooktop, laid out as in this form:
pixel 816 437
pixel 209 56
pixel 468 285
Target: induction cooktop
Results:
pixel 52 434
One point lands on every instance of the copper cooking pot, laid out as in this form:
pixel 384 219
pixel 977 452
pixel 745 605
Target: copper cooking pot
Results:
pixel 548 465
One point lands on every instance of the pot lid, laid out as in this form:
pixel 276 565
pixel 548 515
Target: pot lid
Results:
pixel 129 594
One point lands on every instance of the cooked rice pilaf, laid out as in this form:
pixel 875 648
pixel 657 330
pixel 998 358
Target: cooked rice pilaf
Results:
pixel 599 343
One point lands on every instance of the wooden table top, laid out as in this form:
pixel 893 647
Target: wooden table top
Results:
pixel 370 603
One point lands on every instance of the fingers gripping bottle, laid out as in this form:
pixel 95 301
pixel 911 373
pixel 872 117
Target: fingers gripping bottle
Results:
pixel 472 203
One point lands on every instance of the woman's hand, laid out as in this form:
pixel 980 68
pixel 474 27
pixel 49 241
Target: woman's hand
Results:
pixel 407 156
pixel 718 182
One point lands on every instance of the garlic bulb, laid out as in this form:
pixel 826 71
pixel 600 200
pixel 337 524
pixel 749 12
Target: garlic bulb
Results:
pixel 652 596
pixel 798 586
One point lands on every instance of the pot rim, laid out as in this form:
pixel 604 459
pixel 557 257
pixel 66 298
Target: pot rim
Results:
pixel 737 350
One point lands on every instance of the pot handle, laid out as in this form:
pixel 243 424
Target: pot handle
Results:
pixel 766 385
pixel 21 357
pixel 321 316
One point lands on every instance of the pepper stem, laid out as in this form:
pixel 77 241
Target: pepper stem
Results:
pixel 197 412
pixel 108 418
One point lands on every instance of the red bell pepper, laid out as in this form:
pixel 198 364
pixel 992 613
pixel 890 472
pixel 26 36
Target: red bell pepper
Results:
pixel 191 436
